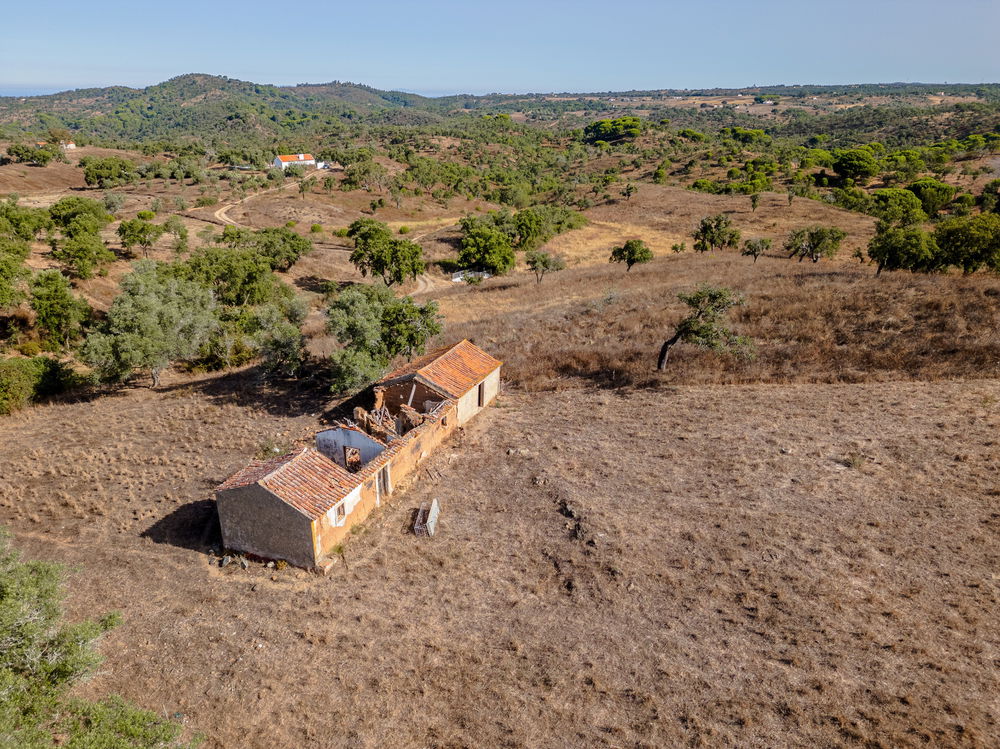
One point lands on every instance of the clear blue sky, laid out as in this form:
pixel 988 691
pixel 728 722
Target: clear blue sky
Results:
pixel 437 46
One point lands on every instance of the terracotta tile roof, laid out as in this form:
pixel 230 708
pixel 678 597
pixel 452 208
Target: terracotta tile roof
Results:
pixel 297 157
pixel 454 370
pixel 304 479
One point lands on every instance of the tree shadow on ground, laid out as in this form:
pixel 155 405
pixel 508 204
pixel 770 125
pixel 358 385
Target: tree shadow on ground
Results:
pixel 192 526
pixel 309 393
pixel 318 285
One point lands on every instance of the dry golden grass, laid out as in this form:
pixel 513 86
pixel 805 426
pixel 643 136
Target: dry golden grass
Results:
pixel 825 322
pixel 758 566
pixel 807 562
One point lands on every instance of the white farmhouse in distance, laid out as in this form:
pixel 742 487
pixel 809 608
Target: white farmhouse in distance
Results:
pixel 302 159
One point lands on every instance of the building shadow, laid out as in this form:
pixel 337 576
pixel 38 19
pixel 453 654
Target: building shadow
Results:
pixel 192 526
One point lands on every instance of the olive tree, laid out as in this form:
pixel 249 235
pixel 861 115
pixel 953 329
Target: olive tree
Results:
pixel 374 326
pixel 755 247
pixel 704 324
pixel 155 321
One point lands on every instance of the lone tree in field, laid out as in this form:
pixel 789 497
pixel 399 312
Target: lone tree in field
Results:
pixel 704 325
pixel 715 233
pixel 755 247
pixel 814 242
pixel 377 252
pixel 754 202
pixel 543 262
pixel 136 231
pixel 631 253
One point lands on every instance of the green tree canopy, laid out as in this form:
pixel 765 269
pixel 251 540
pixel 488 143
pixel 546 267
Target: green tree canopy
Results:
pixel 610 131
pixel 970 242
pixel 12 272
pixel 43 656
pixel 486 248
pixel 83 253
pixel 378 253
pixel 633 252
pixel 755 247
pixel 897 206
pixel 66 210
pixel 903 248
pixel 704 326
pixel 137 232
pixel 859 164
pixel 112 171
pixel 237 278
pixel 541 263
pixel 374 326
pixel 58 314
pixel 155 321
pixel 932 194
pixel 20 222
pixel 715 233
pixel 814 242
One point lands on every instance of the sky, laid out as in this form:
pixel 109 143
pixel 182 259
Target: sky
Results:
pixel 438 47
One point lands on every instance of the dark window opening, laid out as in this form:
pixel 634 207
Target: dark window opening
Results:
pixel 482 394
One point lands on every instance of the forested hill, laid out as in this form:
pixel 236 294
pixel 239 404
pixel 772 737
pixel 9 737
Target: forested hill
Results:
pixel 197 104
pixel 221 111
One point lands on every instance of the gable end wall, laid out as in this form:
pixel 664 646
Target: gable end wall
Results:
pixel 255 521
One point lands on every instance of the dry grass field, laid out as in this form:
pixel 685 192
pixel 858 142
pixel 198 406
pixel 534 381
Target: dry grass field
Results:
pixel 758 566
pixel 801 550
pixel 825 322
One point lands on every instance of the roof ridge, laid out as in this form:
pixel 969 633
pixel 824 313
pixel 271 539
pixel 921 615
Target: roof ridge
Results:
pixel 293 455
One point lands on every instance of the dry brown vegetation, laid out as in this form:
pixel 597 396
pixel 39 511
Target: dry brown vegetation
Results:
pixel 797 551
pixel 825 322
pixel 698 566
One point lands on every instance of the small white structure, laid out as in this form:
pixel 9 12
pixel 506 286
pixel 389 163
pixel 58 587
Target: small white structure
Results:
pixel 301 159
pixel 68 146
pixel 466 275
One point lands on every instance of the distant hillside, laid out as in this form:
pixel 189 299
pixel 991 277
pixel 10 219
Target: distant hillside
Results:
pixel 218 110
pixel 203 105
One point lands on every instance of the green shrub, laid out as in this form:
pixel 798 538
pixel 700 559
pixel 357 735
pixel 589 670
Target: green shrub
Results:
pixel 23 381
pixel 291 224
pixel 205 200
pixel 316 229
pixel 146 215
pixel 404 230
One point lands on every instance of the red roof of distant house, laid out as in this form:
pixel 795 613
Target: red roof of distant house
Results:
pixel 454 370
pixel 297 157
pixel 304 479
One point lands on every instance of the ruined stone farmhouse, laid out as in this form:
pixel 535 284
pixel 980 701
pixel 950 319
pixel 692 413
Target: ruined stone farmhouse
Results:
pixel 301 505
